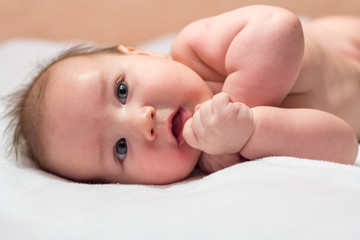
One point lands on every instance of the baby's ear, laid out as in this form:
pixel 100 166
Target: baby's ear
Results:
pixel 133 50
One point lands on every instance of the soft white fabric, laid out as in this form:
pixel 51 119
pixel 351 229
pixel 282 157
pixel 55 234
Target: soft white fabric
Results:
pixel 272 198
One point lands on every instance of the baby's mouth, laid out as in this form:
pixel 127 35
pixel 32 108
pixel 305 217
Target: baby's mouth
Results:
pixel 176 124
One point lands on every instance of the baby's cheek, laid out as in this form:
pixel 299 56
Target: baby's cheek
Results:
pixel 167 165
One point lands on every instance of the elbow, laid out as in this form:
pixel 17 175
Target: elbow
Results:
pixel 282 22
pixel 354 149
pixel 342 144
pixel 349 151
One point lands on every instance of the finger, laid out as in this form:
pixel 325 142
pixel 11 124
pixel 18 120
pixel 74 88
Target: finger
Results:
pixel 205 111
pixel 241 109
pixel 197 107
pixel 197 124
pixel 189 134
pixel 220 102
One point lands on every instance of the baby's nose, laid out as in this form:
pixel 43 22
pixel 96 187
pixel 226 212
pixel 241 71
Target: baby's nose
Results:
pixel 145 122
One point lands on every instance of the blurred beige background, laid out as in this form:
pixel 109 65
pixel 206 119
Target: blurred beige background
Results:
pixel 131 21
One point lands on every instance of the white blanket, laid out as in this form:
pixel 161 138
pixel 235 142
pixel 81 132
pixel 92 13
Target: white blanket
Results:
pixel 271 198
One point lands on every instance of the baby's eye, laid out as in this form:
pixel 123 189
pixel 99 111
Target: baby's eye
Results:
pixel 122 92
pixel 121 149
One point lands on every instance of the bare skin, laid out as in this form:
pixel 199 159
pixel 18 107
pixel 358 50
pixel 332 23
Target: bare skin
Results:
pixel 137 117
pixel 311 86
pixel 335 86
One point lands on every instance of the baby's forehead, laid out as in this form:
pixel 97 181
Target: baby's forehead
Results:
pixel 102 62
pixel 71 67
pixel 74 61
pixel 83 58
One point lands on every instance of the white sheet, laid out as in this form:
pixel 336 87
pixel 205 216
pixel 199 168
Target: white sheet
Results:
pixel 271 198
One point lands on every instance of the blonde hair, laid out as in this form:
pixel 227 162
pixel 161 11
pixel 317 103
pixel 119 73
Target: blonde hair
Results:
pixel 24 107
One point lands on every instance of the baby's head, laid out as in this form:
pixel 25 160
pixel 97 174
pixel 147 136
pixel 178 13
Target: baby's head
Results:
pixel 111 115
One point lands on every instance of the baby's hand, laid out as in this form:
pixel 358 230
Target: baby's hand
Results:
pixel 219 126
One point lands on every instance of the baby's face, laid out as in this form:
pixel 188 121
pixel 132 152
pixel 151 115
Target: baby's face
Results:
pixel 118 118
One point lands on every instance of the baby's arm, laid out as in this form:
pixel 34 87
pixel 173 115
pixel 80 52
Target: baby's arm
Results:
pixel 220 126
pixel 304 133
pixel 256 51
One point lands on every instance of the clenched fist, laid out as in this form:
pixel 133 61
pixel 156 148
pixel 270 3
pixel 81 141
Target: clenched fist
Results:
pixel 219 126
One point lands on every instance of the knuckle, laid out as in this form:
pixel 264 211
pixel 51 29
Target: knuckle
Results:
pixel 220 102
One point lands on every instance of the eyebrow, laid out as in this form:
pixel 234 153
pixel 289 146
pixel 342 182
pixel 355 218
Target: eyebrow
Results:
pixel 101 149
pixel 103 101
pixel 104 89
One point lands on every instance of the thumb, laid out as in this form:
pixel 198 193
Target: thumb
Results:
pixel 189 134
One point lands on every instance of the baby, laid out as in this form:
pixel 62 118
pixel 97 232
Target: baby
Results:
pixel 239 86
